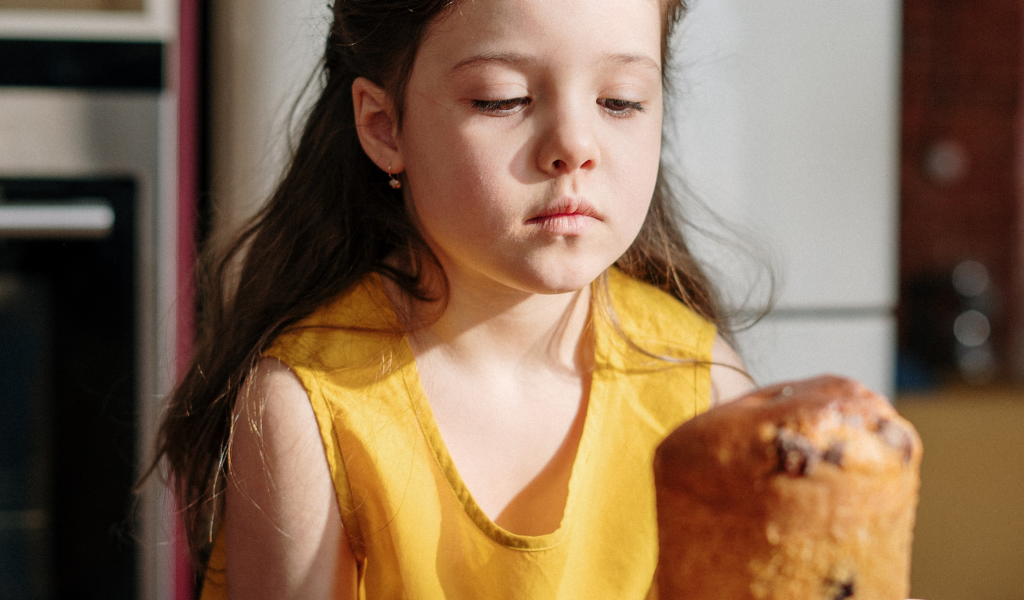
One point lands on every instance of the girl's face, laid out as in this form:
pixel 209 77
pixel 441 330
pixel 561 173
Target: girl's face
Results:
pixel 531 137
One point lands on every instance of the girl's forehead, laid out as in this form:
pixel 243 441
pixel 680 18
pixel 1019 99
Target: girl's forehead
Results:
pixel 546 29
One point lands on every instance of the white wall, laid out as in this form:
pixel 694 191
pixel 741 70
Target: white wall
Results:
pixel 786 121
pixel 264 52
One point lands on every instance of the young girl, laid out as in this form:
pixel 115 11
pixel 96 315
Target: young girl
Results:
pixel 461 325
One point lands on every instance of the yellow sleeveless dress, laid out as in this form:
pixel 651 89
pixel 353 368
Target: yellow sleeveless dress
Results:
pixel 414 527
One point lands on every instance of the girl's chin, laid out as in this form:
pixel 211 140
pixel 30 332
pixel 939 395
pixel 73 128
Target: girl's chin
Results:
pixel 560 279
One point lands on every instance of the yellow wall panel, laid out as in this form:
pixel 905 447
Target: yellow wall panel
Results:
pixel 969 539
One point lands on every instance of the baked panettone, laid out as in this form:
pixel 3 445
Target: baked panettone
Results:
pixel 801 491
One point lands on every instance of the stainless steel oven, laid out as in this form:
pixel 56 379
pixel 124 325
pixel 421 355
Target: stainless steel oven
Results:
pixel 87 264
pixel 69 385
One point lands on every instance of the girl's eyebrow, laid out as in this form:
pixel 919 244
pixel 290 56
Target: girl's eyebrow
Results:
pixel 634 59
pixel 515 59
pixel 510 58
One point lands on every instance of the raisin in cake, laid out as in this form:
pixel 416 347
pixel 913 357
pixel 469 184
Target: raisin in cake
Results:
pixel 801 491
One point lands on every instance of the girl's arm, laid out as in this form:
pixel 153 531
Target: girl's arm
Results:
pixel 282 521
pixel 729 379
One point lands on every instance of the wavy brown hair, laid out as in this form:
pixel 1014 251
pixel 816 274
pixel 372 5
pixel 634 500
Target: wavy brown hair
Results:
pixel 332 220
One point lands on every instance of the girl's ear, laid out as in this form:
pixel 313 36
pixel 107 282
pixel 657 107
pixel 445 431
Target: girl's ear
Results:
pixel 376 125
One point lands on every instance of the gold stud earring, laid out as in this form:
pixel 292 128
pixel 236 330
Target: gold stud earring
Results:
pixel 392 181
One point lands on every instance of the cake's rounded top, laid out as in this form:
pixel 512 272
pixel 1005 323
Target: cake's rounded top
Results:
pixel 802 429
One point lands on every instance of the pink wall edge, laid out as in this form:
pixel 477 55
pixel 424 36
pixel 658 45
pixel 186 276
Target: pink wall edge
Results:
pixel 187 85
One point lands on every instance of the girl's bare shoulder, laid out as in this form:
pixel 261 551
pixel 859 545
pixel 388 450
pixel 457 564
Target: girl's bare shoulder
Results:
pixel 729 378
pixel 282 517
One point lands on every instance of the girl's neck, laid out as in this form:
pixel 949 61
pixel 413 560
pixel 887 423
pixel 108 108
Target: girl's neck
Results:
pixel 485 323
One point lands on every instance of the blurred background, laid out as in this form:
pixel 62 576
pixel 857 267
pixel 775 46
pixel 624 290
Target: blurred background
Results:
pixel 871 152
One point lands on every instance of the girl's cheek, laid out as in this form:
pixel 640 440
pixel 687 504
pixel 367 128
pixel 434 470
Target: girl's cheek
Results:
pixel 640 156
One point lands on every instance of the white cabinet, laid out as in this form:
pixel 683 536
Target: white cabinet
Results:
pixel 157 20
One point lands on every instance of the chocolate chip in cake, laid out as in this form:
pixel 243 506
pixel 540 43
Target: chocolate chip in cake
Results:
pixel 896 436
pixel 834 453
pixel 842 590
pixel 797 456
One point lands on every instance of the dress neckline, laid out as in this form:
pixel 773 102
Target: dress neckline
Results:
pixel 428 425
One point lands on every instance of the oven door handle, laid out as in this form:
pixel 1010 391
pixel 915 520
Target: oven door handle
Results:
pixel 79 219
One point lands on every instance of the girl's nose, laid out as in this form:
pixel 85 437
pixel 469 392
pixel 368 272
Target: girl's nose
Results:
pixel 568 144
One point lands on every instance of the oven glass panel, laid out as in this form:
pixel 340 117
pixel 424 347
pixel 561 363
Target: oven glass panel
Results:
pixel 67 388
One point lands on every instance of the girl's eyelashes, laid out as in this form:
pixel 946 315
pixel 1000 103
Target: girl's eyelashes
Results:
pixel 620 108
pixel 509 106
pixel 501 108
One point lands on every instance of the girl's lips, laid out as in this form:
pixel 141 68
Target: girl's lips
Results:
pixel 565 217
pixel 566 208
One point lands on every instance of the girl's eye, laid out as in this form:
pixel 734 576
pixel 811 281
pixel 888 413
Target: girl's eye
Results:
pixel 500 107
pixel 620 108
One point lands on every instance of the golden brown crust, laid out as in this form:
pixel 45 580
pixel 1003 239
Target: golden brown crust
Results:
pixel 803 490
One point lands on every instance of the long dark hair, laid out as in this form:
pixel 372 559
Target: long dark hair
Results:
pixel 332 220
